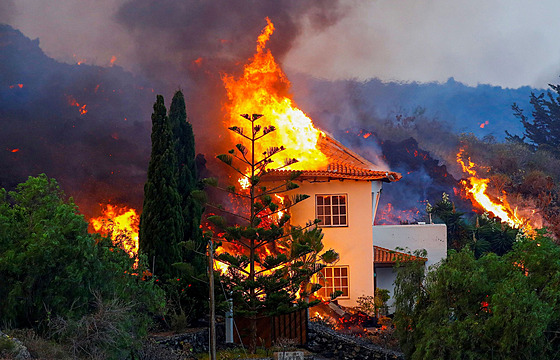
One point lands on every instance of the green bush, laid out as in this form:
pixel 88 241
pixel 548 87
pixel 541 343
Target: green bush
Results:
pixel 52 268
pixel 500 307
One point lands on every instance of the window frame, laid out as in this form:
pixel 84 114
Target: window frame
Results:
pixel 322 279
pixel 331 210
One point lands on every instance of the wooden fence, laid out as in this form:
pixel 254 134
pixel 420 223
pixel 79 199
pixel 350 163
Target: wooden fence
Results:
pixel 270 329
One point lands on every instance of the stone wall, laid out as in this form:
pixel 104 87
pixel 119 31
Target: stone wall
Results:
pixel 333 345
pixel 180 346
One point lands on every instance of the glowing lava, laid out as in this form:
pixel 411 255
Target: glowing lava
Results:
pixel 476 187
pixel 264 89
pixel 122 224
pixel 73 102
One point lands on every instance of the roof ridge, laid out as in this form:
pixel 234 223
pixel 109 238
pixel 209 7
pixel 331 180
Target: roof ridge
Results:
pixel 329 138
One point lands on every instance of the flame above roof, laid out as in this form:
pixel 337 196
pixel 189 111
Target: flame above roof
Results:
pixel 343 164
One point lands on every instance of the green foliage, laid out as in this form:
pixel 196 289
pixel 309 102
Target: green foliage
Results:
pixel 374 305
pixel 170 232
pixel 485 235
pixel 272 265
pixel 161 222
pixel 51 267
pixel 543 130
pixel 6 345
pixel 501 307
pixel 444 210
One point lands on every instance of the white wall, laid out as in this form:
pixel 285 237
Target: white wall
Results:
pixel 352 242
pixel 432 237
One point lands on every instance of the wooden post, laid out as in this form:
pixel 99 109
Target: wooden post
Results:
pixel 212 347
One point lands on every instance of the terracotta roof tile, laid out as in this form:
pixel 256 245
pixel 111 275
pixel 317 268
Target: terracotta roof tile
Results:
pixel 386 256
pixel 343 164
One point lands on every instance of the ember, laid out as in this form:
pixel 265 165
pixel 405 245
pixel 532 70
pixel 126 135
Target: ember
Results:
pixel 73 102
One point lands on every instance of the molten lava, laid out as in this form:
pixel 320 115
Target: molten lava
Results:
pixel 264 89
pixel 73 102
pixel 476 188
pixel 121 223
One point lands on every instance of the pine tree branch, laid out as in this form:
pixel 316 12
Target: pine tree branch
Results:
pixel 287 163
pixel 238 131
pixel 233 193
pixel 234 266
pixel 307 226
pixel 274 212
pixel 243 159
pixel 274 190
pixel 228 212
pixel 239 171
pixel 270 153
pixel 234 242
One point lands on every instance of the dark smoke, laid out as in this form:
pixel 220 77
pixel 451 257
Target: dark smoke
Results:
pixel 189 44
pixel 407 118
pixel 97 156
pixel 101 156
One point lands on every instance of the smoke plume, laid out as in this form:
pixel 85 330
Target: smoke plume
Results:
pixel 89 126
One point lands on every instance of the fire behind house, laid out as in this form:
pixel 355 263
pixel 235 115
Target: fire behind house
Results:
pixel 88 127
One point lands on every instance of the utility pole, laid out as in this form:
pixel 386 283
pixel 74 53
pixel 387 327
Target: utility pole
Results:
pixel 212 347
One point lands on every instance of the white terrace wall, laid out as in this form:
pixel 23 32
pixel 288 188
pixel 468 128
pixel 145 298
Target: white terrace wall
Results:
pixel 354 241
pixel 431 237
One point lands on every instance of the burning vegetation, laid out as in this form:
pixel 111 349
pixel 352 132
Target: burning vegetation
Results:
pixel 477 188
pixel 121 224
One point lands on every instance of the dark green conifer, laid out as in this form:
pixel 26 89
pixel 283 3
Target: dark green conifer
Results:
pixel 187 175
pixel 191 292
pixel 161 223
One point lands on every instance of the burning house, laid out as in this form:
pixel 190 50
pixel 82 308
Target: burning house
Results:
pixel 344 194
pixel 344 188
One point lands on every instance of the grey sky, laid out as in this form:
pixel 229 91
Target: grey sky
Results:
pixel 508 43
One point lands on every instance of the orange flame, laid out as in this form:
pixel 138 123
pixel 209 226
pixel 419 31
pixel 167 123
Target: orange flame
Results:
pixel 113 59
pixel 122 224
pixel 264 89
pixel 73 102
pixel 476 187
pixel 20 86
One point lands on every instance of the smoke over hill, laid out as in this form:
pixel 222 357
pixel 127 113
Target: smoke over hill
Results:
pixel 89 126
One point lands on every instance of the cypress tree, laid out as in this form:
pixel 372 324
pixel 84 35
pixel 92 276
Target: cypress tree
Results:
pixel 191 295
pixel 187 174
pixel 161 222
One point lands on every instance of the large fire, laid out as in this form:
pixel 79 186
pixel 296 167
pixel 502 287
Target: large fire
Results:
pixel 264 89
pixel 477 187
pixel 122 224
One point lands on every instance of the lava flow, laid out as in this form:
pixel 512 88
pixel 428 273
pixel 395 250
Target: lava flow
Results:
pixel 81 107
pixel 121 224
pixel 264 89
pixel 476 187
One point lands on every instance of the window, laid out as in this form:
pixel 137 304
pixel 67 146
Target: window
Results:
pixel 331 210
pixel 333 278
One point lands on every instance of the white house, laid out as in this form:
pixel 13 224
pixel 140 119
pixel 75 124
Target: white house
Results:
pixel 344 196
